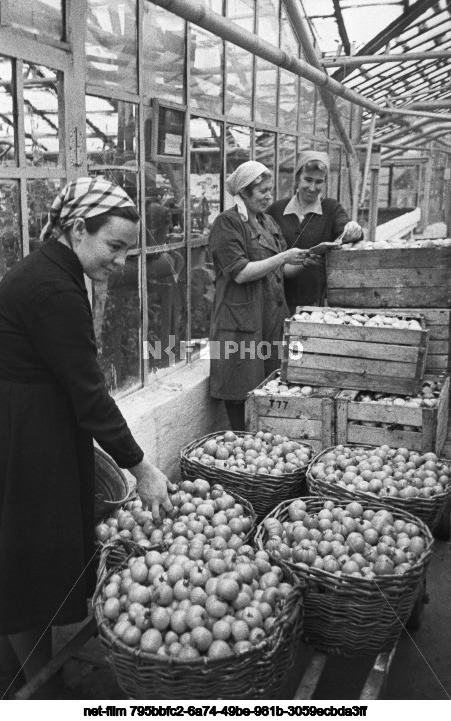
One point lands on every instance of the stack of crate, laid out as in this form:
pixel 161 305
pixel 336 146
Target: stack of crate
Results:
pixel 405 281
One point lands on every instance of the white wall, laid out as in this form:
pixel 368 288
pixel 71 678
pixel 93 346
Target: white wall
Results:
pixel 166 415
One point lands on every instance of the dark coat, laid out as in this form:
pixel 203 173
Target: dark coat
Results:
pixel 244 314
pixel 308 286
pixel 53 402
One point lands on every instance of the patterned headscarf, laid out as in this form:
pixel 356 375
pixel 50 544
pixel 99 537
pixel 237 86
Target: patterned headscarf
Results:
pixel 83 198
pixel 308 155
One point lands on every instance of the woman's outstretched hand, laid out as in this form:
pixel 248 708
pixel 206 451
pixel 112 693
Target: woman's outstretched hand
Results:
pixel 152 486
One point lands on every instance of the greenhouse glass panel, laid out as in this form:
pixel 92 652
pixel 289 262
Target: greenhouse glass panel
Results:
pixel 117 320
pixel 10 247
pixel 306 107
pixel 205 189
pixel 111 131
pixel 205 178
pixel 207 71
pixel 8 130
pixel 165 201
pixel 265 148
pixel 42 93
pixel 164 66
pixel 38 17
pixel 287 164
pixel 40 195
pixel 238 99
pixel 111 44
pixel 166 300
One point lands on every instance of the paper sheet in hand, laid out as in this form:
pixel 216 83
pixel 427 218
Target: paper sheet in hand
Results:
pixel 325 247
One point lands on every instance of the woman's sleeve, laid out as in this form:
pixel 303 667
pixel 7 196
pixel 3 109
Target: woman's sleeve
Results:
pixel 339 220
pixel 228 246
pixel 60 326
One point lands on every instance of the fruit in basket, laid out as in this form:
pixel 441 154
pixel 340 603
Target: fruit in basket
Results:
pixel 398 243
pixel 384 471
pixel 233 612
pixel 198 510
pixel 261 453
pixel 378 545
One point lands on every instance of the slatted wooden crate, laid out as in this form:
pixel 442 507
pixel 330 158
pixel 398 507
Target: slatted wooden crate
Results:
pixel 438 321
pixel 299 417
pixel 389 278
pixel 431 423
pixel 388 360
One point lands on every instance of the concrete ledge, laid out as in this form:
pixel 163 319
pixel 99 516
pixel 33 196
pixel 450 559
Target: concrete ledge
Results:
pixel 169 413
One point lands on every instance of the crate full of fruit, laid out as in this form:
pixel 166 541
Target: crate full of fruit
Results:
pixel 357 349
pixel 391 274
pixel 419 422
pixel 301 412
pixel 438 322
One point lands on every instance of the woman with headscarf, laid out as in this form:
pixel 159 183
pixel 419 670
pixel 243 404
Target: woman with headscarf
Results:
pixel 53 403
pixel 306 220
pixel 250 259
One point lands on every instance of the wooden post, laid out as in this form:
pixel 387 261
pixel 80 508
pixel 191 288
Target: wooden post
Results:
pixel 374 192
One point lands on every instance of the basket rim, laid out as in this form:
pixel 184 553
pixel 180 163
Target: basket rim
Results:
pixel 245 475
pixel 320 574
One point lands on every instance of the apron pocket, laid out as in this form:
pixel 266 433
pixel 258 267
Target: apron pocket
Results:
pixel 238 316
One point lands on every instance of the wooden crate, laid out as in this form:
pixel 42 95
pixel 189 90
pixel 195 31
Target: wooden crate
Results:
pixel 432 423
pixel 388 360
pixel 438 321
pixel 389 278
pixel 301 418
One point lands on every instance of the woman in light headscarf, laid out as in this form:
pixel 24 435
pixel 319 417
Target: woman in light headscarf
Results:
pixel 306 220
pixel 250 259
pixel 53 403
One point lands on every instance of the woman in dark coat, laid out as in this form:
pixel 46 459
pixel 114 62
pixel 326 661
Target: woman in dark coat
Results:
pixel 250 260
pixel 53 403
pixel 306 220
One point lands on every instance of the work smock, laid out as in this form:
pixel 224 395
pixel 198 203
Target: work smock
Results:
pixel 247 318
pixel 308 287
pixel 53 402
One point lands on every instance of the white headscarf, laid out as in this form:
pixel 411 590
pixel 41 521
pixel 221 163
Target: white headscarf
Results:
pixel 243 176
pixel 307 156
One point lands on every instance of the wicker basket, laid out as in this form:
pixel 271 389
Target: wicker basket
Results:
pixel 263 491
pixel 349 615
pixel 112 488
pixel 257 674
pixel 429 510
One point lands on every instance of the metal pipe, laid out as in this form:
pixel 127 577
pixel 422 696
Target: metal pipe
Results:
pixel 293 12
pixel 193 11
pixel 431 104
pixel 355 61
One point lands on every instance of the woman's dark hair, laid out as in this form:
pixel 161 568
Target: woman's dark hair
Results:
pixel 98 221
pixel 249 188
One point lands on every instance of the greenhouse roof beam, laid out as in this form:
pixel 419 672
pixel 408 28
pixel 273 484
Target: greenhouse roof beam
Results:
pixel 358 60
pixel 390 32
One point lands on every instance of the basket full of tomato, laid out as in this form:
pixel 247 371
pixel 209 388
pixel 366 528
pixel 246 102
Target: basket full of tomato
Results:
pixel 264 468
pixel 364 565
pixel 419 483
pixel 198 620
